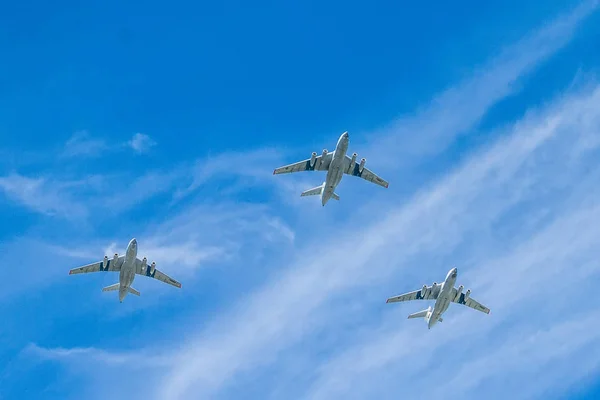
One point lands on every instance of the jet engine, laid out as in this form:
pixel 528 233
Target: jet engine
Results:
pixel 313 158
pixel 144 264
pixel 423 290
pixel 354 155
pixel 362 164
pixel 458 292
pixel 152 267
pixel 324 153
pixel 105 262
pixel 467 294
pixel 115 258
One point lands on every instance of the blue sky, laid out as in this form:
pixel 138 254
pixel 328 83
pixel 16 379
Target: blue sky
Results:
pixel 164 123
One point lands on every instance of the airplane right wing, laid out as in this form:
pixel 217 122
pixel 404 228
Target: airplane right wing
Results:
pixel 428 293
pixel 315 163
pixel 147 270
pixel 469 302
pixel 358 169
pixel 100 266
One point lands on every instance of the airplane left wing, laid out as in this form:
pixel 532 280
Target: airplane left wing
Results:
pixel 358 169
pixel 469 302
pixel 100 266
pixel 315 163
pixel 147 270
pixel 428 293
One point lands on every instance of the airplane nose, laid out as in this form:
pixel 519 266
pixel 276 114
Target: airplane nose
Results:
pixel 346 135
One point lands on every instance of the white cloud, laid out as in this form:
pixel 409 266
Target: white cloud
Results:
pixel 461 210
pixel 141 143
pixel 449 219
pixel 251 167
pixel 411 139
pixel 437 221
pixel 83 144
pixel 41 195
pixel 84 354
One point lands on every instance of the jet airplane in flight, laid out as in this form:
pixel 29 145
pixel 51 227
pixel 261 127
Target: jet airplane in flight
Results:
pixel 443 294
pixel 128 266
pixel 336 164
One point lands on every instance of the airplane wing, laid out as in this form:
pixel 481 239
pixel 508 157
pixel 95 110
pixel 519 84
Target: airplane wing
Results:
pixel 470 302
pixel 320 163
pixel 100 266
pixel 365 173
pixel 430 293
pixel 146 270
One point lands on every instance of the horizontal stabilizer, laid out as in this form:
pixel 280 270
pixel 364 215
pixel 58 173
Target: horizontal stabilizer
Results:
pixel 111 288
pixel 420 314
pixel 133 291
pixel 335 196
pixel 314 191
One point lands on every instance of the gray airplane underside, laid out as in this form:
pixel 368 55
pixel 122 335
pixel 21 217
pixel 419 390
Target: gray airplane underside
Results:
pixel 128 266
pixel 336 163
pixel 443 294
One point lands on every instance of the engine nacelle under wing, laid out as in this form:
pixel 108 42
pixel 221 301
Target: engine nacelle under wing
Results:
pixel 458 292
pixel 467 294
pixel 423 290
pixel 105 263
pixel 115 258
pixel 144 265
pixel 152 268
pixel 362 164
pixel 313 158
pixel 352 163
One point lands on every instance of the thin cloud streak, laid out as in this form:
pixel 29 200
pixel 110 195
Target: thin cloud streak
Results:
pixel 83 144
pixel 459 109
pixel 473 196
pixel 437 220
pixel 295 304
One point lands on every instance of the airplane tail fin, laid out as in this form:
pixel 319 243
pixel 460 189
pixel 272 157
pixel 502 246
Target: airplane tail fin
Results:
pixel 133 291
pixel 111 288
pixel 314 191
pixel 317 191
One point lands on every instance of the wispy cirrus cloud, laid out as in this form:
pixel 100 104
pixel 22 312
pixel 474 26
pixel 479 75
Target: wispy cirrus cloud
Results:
pixel 468 202
pixel 83 354
pixel 77 198
pixel 141 143
pixel 459 109
pixel 81 143
pixel 42 195
pixel 84 144
pixel 313 299
pixel 454 215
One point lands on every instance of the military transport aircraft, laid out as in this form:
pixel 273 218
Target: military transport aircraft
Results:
pixel 443 294
pixel 127 265
pixel 336 164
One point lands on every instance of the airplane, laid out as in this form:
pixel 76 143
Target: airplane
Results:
pixel 336 164
pixel 443 294
pixel 127 265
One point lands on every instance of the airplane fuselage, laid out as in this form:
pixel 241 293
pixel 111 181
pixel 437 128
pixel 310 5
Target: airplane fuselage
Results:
pixel 336 168
pixel 444 298
pixel 127 274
